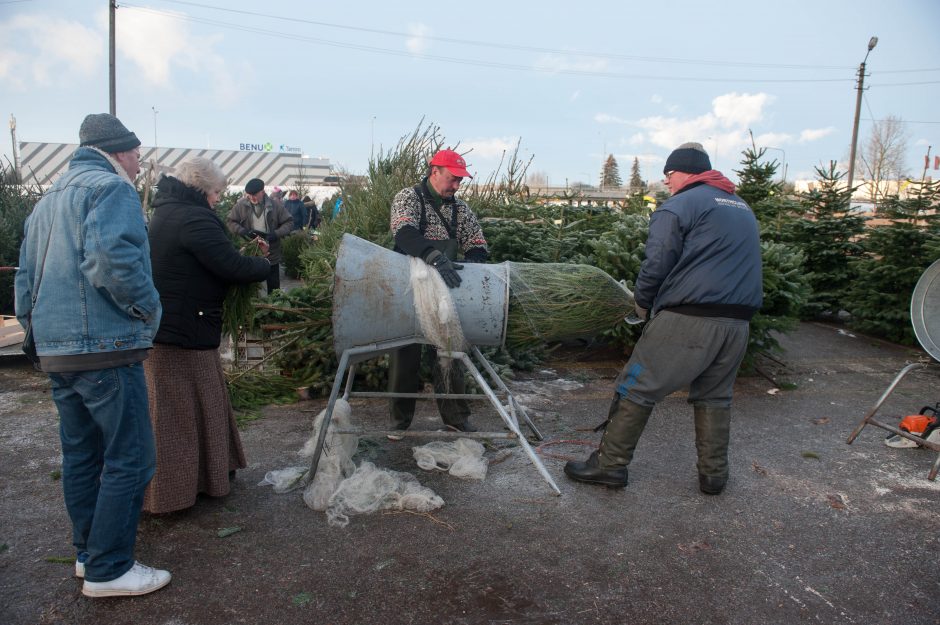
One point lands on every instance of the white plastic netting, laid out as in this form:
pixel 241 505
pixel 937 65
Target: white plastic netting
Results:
pixel 435 308
pixel 461 458
pixel 341 489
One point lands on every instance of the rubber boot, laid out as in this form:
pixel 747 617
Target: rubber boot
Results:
pixel 608 465
pixel 712 432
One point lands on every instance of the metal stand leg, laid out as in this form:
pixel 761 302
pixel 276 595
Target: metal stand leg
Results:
pixel 510 421
pixel 356 354
pixel 513 404
pixel 869 419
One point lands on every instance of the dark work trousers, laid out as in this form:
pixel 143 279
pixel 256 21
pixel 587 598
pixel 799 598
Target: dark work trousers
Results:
pixel 404 376
pixel 682 351
pixel 274 278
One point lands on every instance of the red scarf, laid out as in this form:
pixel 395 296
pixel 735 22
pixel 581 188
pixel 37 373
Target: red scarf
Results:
pixel 713 178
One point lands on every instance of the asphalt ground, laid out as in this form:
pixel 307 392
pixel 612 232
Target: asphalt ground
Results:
pixel 809 529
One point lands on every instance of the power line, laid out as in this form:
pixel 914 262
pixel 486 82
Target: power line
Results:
pixel 488 44
pixel 479 63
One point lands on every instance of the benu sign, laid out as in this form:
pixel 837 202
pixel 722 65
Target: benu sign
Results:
pixel 267 146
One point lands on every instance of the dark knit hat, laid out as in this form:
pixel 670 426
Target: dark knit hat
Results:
pixel 107 133
pixel 689 158
pixel 254 185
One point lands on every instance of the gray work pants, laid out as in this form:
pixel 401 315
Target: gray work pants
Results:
pixel 678 351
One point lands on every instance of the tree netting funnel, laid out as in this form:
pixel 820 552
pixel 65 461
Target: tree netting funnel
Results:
pixel 373 300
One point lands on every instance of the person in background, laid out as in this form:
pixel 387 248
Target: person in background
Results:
pixel 278 195
pixel 699 286
pixel 194 264
pixel 297 210
pixel 312 211
pixel 430 223
pixel 256 215
pixel 84 283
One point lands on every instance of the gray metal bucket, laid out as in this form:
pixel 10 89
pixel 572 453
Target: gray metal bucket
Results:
pixel 373 302
pixel 925 310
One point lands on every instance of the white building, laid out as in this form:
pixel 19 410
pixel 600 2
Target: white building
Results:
pixel 42 163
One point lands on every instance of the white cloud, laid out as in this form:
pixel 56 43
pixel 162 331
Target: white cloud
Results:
pixel 160 45
pixel 773 138
pixel 488 149
pixel 43 51
pixel 656 98
pixel 814 134
pixel 723 130
pixel 574 96
pixel 637 139
pixel 554 63
pixel 418 43
pixel 734 110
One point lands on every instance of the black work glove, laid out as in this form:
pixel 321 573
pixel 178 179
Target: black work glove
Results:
pixel 445 267
pixel 271 237
pixel 251 234
pixel 475 255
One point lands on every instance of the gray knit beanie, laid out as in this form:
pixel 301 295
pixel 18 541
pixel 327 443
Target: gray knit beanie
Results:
pixel 689 158
pixel 107 133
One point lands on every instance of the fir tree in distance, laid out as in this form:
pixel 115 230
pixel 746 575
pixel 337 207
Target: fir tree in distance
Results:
pixel 637 186
pixel 610 174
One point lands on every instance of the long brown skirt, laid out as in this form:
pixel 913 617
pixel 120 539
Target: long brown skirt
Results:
pixel 194 427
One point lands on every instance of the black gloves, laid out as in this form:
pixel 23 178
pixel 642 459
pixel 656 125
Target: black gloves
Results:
pixel 475 255
pixel 445 267
pixel 270 237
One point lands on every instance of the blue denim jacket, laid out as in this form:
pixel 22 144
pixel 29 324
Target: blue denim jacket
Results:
pixel 96 293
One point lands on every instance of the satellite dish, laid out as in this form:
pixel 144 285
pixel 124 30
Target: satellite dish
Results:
pixel 925 310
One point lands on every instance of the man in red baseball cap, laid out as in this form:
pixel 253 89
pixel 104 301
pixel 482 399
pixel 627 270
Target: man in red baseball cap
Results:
pixel 452 161
pixel 430 223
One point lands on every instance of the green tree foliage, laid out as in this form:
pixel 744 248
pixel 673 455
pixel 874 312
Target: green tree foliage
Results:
pixel 785 287
pixel 767 198
pixel 16 202
pixel 610 174
pixel 637 186
pixel 895 257
pixel 828 235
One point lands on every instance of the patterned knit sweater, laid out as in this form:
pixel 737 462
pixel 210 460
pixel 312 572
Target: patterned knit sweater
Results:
pixel 406 211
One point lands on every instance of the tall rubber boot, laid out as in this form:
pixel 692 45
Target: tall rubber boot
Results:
pixel 608 465
pixel 712 433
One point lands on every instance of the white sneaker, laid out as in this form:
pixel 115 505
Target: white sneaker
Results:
pixel 138 581
pixel 79 569
pixel 394 437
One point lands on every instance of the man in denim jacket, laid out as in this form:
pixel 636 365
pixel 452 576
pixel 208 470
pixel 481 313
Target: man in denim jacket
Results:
pixel 85 285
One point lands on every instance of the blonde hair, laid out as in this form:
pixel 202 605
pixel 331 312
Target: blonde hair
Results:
pixel 201 173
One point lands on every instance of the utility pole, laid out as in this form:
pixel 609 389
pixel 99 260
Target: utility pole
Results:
pixel 16 160
pixel 858 110
pixel 111 78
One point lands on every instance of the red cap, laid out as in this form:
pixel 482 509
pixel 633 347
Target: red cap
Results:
pixel 453 162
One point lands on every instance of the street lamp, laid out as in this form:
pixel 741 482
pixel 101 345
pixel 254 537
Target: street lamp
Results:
pixel 769 147
pixel 372 145
pixel 858 109
pixel 156 151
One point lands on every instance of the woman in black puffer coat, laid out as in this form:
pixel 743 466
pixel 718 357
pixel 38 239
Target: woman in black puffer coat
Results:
pixel 194 264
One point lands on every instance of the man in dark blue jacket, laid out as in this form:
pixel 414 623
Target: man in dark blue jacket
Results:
pixel 698 286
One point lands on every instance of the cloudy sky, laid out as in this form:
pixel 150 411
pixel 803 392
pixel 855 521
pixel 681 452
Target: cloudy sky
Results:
pixel 571 81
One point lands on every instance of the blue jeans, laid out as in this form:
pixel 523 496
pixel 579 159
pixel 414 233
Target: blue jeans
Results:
pixel 108 458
